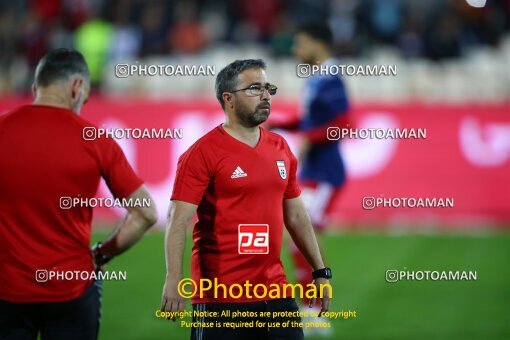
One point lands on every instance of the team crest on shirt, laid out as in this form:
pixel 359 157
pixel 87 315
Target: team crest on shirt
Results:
pixel 281 169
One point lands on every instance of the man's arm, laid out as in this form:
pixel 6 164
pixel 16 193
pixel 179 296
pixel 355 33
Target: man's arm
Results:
pixel 180 215
pixel 300 229
pixel 133 226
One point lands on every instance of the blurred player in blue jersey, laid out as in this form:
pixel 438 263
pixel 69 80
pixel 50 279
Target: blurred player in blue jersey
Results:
pixel 324 105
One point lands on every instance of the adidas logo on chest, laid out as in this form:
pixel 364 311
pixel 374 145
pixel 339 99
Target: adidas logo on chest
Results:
pixel 238 173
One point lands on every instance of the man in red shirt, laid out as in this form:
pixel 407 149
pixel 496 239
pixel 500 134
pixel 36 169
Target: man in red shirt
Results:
pixel 45 162
pixel 241 181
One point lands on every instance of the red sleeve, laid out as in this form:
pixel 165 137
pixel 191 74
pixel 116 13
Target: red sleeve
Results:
pixel 289 125
pixel 192 178
pixel 318 135
pixel 115 169
pixel 292 190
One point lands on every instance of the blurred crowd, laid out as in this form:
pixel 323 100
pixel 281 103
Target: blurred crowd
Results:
pixel 119 30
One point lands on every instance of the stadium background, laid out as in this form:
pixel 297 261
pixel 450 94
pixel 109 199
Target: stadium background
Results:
pixel 453 78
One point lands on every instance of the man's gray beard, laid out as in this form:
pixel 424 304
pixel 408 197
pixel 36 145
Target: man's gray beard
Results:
pixel 251 120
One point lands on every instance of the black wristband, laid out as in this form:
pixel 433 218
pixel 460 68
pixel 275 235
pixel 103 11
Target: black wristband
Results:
pixel 99 258
pixel 323 273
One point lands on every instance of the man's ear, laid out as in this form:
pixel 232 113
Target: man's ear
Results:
pixel 34 90
pixel 76 86
pixel 228 99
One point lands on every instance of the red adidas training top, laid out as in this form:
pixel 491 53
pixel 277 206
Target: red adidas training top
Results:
pixel 44 157
pixel 239 191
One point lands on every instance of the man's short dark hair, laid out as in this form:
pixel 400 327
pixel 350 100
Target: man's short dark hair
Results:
pixel 226 80
pixel 318 31
pixel 60 64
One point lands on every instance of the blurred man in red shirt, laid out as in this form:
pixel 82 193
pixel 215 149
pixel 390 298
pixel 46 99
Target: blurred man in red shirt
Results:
pixel 46 161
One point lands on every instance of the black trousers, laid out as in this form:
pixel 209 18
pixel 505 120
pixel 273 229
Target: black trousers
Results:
pixel 244 333
pixel 76 319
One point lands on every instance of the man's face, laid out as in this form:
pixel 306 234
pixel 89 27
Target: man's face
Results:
pixel 251 110
pixel 304 47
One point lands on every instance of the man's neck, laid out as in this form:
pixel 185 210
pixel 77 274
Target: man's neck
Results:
pixel 51 100
pixel 247 135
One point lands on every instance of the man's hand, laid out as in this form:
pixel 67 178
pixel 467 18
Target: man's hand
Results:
pixel 132 228
pixel 172 301
pixel 326 298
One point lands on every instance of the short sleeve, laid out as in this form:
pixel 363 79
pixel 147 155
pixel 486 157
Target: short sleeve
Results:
pixel 192 177
pixel 292 190
pixel 116 171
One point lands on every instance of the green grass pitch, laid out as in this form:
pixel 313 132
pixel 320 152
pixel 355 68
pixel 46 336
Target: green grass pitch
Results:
pixel 403 310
